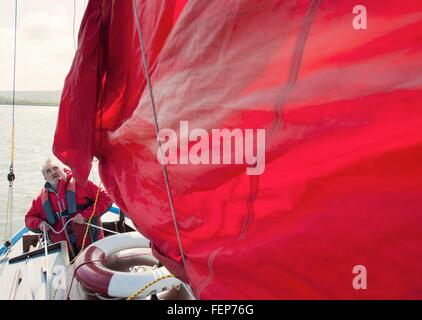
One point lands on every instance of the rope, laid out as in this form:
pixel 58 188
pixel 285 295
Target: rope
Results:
pixel 3 263
pixel 101 228
pixel 14 86
pixel 99 260
pixel 92 215
pixel 137 293
pixel 47 285
pixel 89 222
pixel 55 291
pixel 9 213
pixel 145 63
pixel 5 252
pixel 74 274
pixel 73 25
pixel 100 297
pixel 11 175
pixel 92 225
pixel 64 227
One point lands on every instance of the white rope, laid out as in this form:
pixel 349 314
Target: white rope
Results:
pixel 101 228
pixel 47 284
pixel 4 256
pixel 62 229
pixel 89 224
pixel 4 252
pixel 9 213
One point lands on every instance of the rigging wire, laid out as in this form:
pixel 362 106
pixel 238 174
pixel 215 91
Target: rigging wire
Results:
pixel 11 175
pixel 14 86
pixel 4 259
pixel 9 210
pixel 148 80
pixel 73 25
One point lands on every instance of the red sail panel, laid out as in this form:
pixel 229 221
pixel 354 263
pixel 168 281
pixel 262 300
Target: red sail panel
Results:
pixel 342 185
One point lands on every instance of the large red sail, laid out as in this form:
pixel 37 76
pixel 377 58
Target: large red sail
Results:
pixel 341 107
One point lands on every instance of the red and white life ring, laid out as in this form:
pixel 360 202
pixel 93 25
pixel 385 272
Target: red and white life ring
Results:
pixel 98 278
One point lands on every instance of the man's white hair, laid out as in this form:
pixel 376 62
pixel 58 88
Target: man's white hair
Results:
pixel 49 161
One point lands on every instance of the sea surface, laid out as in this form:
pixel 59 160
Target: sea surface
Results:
pixel 34 133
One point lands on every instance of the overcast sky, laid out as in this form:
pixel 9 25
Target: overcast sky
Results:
pixel 44 42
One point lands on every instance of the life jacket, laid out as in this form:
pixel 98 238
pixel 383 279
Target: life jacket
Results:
pixel 70 199
pixel 72 208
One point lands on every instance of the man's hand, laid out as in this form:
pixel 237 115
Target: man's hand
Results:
pixel 44 226
pixel 79 219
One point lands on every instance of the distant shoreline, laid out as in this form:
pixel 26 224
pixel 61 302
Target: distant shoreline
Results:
pixel 29 104
pixel 31 98
pixel 25 102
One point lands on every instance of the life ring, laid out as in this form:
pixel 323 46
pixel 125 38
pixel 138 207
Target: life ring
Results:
pixel 98 278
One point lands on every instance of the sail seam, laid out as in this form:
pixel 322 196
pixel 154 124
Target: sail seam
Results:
pixel 291 82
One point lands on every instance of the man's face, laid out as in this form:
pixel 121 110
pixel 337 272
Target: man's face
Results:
pixel 52 173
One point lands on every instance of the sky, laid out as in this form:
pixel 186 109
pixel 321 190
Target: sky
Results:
pixel 45 46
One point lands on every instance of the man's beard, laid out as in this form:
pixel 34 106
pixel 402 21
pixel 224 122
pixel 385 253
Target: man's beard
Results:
pixel 54 181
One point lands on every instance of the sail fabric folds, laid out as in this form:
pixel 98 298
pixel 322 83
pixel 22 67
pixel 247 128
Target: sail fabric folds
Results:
pixel 336 213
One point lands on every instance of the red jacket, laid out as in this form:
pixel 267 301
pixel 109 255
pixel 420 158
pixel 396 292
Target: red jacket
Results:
pixel 85 198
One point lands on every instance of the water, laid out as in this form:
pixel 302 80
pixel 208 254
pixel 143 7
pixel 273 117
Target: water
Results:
pixel 34 133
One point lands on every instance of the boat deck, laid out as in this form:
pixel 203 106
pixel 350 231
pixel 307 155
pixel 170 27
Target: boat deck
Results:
pixel 24 277
pixel 27 273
